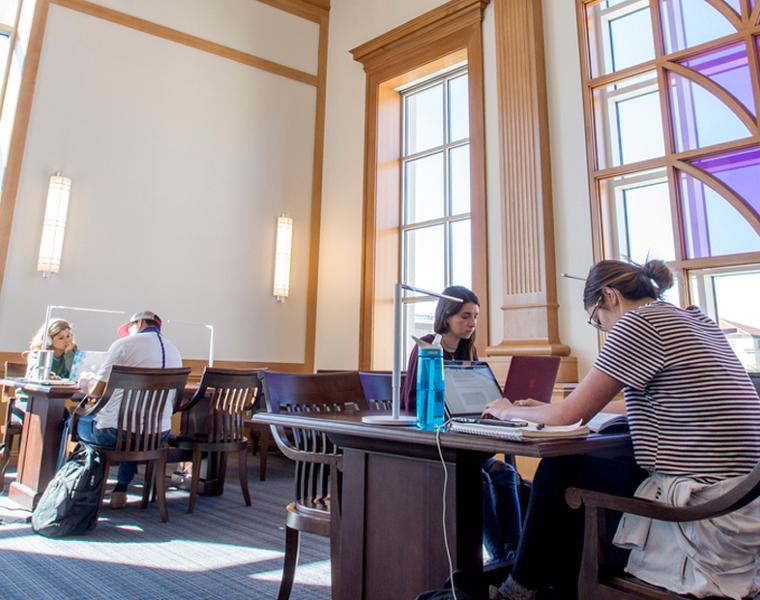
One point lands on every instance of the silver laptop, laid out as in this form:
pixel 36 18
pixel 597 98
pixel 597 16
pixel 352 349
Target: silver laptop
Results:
pixel 469 386
pixel 86 361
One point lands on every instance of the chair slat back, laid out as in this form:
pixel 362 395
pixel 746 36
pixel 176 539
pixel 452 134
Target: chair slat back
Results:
pixel 234 393
pixel 144 395
pixel 15 369
pixel 378 388
pixel 339 392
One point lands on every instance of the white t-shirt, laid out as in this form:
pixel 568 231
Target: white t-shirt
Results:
pixel 138 350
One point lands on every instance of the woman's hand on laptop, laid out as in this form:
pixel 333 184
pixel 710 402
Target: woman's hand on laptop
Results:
pixel 504 409
pixel 498 409
pixel 529 402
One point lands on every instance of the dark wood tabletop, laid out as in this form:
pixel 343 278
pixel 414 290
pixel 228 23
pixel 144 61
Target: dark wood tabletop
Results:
pixel 351 424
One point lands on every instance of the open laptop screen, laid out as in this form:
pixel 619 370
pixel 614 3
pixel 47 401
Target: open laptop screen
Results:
pixel 469 386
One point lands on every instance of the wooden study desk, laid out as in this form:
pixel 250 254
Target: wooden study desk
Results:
pixel 390 527
pixel 41 440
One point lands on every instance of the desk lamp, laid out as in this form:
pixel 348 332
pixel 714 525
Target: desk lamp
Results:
pixel 395 417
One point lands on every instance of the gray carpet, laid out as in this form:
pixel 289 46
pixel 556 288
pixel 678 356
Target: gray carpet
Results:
pixel 224 550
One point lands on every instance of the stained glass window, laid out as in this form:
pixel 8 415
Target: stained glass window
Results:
pixel 673 104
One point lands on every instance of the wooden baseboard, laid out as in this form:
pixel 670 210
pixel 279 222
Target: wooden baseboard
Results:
pixel 198 364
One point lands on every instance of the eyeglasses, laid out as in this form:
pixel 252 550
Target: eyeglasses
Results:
pixel 592 320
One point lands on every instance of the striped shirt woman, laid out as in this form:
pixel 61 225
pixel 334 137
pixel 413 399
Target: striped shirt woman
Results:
pixel 692 410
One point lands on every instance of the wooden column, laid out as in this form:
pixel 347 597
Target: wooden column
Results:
pixel 530 291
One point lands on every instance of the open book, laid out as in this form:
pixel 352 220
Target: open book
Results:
pixel 527 433
pixel 604 422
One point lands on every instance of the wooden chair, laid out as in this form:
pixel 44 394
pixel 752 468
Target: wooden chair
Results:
pixel 227 395
pixel 378 388
pixel 145 393
pixel 596 581
pixel 9 429
pixel 318 462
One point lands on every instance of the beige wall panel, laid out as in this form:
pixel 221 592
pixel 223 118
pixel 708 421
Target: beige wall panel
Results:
pixel 572 212
pixel 181 162
pixel 245 25
pixel 352 22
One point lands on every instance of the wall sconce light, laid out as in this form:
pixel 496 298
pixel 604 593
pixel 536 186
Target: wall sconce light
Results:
pixel 54 225
pixel 282 255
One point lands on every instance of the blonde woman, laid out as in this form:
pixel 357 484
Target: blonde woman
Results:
pixel 60 339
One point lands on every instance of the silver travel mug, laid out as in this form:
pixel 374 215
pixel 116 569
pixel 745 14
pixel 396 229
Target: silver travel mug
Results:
pixel 43 365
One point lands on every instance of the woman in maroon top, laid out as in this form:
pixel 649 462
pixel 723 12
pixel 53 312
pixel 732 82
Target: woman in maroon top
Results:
pixel 455 322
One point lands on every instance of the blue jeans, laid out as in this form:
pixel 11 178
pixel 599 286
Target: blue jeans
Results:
pixel 87 432
pixel 502 518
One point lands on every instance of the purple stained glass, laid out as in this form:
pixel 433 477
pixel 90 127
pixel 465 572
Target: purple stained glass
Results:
pixel 728 67
pixel 713 226
pixel 738 170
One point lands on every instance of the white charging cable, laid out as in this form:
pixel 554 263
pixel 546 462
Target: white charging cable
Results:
pixel 443 522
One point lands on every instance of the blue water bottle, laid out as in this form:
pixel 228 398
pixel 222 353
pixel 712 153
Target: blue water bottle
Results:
pixel 430 388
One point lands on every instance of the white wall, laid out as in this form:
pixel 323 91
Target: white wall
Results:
pixel 353 22
pixel 572 212
pixel 181 162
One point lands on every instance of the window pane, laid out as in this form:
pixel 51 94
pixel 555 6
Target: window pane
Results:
pixel 736 5
pixel 459 169
pixel 729 69
pixel 424 119
pixel 423 183
pixel 418 320
pixel 700 119
pixel 629 128
pixel 459 111
pixel 687 23
pixel 461 253
pixel 729 297
pixel 738 170
pixel 424 258
pixel 713 226
pixel 5 43
pixel 637 207
pixel 619 38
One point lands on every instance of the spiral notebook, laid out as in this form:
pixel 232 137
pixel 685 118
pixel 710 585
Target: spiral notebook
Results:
pixel 527 433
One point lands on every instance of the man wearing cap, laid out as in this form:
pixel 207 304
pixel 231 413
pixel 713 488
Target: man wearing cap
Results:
pixel 140 344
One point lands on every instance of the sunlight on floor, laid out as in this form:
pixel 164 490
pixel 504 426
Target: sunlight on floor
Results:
pixel 310 573
pixel 175 555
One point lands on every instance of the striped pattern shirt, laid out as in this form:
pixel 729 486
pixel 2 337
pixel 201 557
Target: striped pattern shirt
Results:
pixel 692 409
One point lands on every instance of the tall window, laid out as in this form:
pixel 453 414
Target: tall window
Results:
pixel 15 16
pixel 672 97
pixel 435 220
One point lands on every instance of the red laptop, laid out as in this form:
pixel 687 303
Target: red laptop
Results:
pixel 531 377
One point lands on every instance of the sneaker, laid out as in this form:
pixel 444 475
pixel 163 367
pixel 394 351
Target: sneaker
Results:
pixel 118 500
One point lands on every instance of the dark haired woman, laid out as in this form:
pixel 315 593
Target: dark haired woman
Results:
pixel 695 424
pixel 455 323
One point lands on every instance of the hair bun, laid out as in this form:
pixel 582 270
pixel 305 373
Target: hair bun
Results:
pixel 659 273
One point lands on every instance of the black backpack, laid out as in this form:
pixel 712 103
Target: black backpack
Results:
pixel 69 505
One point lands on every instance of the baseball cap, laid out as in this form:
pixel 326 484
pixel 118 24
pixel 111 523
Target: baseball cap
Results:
pixel 143 315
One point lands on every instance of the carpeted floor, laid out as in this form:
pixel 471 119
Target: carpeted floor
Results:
pixel 224 550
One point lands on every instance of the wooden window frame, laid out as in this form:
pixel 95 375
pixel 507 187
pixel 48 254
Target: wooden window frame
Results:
pixel 748 28
pixel 430 43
